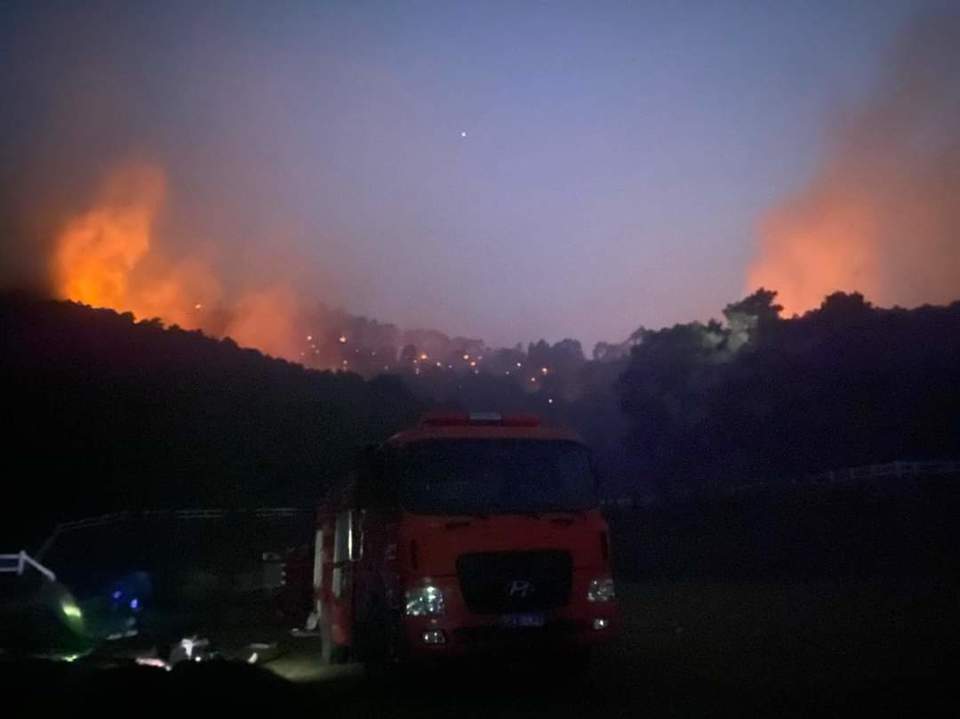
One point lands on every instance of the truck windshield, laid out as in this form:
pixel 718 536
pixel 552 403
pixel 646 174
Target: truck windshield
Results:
pixel 495 476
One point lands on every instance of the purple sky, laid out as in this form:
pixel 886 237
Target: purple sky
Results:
pixel 616 160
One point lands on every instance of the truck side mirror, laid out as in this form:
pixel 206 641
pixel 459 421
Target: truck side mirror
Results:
pixel 373 485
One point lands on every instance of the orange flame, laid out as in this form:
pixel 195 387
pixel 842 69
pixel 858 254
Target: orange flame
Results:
pixel 880 215
pixel 109 256
pixel 98 250
pixel 267 319
pixel 821 244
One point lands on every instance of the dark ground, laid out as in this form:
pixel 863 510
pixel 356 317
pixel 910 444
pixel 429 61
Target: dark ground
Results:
pixel 688 649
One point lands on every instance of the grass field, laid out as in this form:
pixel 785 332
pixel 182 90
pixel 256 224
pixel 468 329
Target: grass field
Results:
pixel 691 648
pixel 706 649
pixel 801 646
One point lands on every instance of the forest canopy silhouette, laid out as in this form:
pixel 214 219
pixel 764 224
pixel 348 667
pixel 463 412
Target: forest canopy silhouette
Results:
pixel 109 413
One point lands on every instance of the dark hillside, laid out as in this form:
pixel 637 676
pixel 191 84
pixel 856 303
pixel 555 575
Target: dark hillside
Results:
pixel 104 413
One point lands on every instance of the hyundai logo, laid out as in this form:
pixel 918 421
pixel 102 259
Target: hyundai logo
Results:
pixel 520 588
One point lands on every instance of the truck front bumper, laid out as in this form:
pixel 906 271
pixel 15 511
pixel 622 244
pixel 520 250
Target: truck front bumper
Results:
pixel 460 632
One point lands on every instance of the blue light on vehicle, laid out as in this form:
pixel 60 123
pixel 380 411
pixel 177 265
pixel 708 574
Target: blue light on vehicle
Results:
pixel 134 604
pixel 117 594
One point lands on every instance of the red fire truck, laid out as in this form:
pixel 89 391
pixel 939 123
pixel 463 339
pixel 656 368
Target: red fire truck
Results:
pixel 464 534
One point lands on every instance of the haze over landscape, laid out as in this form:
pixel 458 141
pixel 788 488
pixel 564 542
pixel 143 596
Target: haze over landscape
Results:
pixel 500 171
pixel 613 345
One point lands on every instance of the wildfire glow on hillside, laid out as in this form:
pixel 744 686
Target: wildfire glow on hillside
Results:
pixel 110 255
pixel 270 177
pixel 98 250
pixel 881 214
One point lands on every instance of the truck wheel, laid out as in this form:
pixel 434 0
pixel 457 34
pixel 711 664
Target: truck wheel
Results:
pixel 374 642
pixel 331 652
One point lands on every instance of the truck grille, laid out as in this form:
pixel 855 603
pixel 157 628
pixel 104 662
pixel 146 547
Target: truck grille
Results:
pixel 559 632
pixel 513 582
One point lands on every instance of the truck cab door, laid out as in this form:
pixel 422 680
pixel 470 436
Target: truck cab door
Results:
pixel 345 550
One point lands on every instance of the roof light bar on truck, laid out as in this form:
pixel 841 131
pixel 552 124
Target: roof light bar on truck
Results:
pixel 465 419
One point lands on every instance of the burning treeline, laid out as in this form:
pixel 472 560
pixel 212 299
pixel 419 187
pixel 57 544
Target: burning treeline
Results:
pixel 882 213
pixel 116 252
pixel 112 255
pixel 880 216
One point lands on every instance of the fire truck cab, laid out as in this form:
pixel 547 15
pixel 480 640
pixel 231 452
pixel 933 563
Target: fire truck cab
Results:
pixel 465 534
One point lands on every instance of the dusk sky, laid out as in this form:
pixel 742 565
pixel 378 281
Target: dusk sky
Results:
pixel 509 170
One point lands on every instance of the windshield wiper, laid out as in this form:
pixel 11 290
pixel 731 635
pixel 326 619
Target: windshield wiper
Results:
pixel 575 512
pixel 539 513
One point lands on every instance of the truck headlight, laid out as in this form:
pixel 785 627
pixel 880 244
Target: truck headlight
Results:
pixel 601 590
pixel 425 601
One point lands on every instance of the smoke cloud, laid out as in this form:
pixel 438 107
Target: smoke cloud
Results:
pixel 113 255
pixel 228 170
pixel 882 213
pixel 138 171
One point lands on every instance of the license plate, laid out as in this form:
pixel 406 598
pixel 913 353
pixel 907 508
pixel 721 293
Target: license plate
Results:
pixel 522 620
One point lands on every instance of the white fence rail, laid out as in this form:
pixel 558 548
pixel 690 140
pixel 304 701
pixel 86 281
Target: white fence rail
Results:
pixel 185 515
pixel 852 475
pixel 180 514
pixel 896 470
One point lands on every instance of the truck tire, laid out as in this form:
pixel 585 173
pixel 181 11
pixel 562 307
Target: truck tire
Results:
pixel 373 641
pixel 331 652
